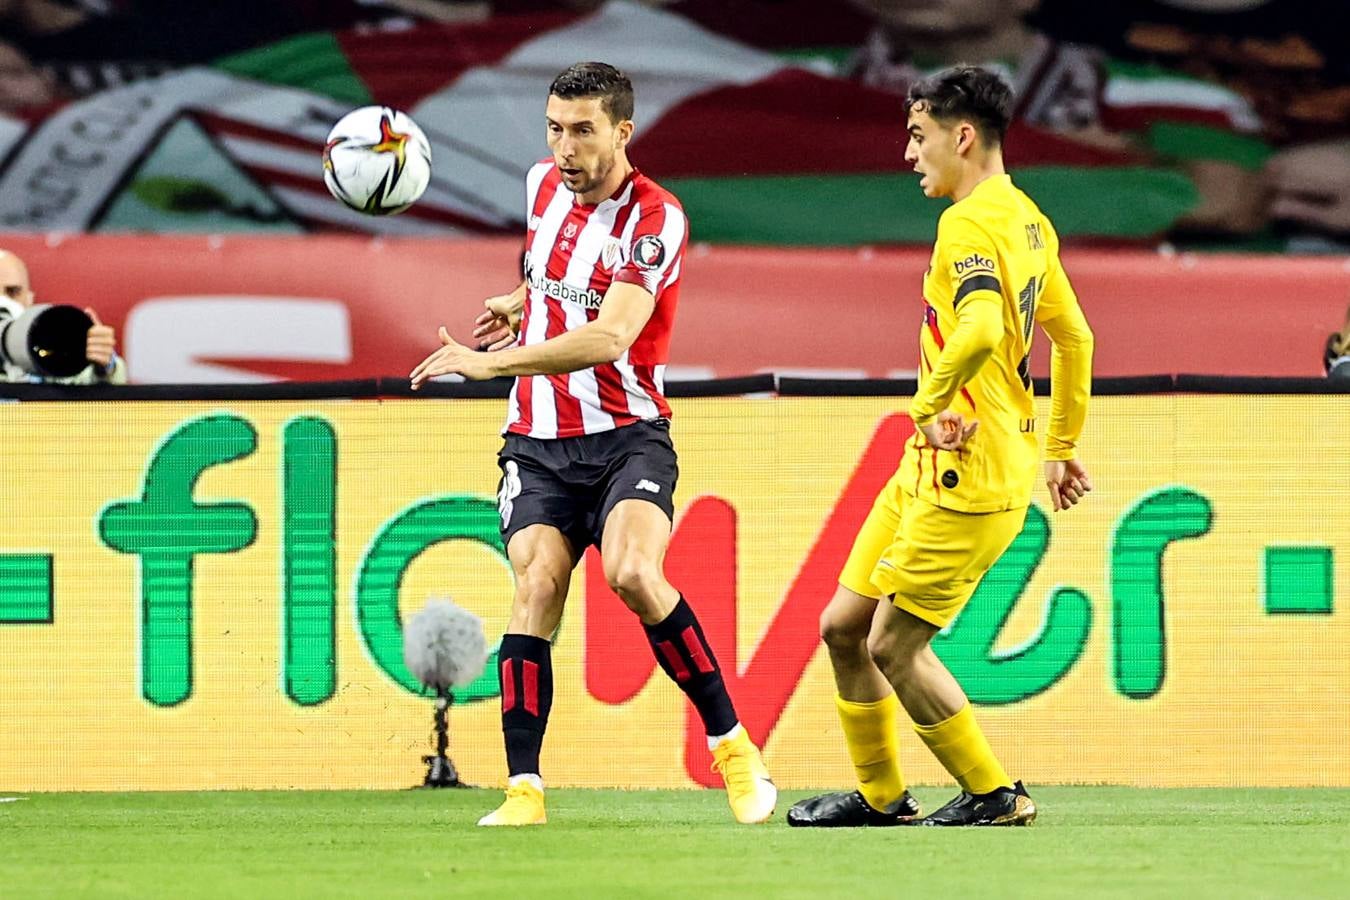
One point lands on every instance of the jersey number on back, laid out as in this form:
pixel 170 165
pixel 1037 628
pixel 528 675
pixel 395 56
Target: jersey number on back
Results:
pixel 1026 305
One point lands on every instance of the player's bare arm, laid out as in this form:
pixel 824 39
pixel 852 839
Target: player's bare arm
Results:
pixel 623 313
pixel 496 328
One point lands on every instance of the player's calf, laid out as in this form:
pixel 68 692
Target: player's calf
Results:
pixel 685 655
pixel 527 697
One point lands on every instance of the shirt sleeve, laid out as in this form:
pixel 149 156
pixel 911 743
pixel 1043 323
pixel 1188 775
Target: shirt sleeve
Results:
pixel 116 373
pixel 968 256
pixel 978 331
pixel 971 260
pixel 652 257
pixel 1062 319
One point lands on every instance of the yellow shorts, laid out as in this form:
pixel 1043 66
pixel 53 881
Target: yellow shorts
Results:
pixel 927 559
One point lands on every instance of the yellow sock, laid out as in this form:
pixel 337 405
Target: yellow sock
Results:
pixel 960 745
pixel 874 747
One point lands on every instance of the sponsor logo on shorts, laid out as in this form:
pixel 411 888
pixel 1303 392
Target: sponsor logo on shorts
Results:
pixel 508 491
pixel 649 486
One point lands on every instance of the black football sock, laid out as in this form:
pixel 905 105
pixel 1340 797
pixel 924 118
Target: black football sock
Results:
pixel 684 654
pixel 527 696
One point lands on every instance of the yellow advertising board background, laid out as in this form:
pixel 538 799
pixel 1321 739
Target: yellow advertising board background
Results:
pixel 1248 697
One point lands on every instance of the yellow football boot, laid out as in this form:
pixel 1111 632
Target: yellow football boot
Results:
pixel 750 790
pixel 524 805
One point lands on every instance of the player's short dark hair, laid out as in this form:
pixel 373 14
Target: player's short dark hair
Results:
pixel 597 79
pixel 966 92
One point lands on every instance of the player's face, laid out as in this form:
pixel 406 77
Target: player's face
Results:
pixel 14 280
pixel 584 141
pixel 932 150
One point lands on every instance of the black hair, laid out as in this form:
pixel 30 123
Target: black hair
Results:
pixel 966 92
pixel 597 79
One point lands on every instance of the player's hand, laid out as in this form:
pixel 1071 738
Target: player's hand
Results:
pixel 499 323
pixel 949 431
pixel 101 344
pixel 1068 482
pixel 452 359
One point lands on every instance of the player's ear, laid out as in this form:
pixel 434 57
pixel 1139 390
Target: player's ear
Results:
pixel 623 133
pixel 965 138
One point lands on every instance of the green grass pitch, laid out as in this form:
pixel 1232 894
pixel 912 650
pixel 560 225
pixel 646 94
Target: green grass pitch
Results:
pixel 1089 842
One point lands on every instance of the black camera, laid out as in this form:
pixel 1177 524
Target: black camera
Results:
pixel 45 340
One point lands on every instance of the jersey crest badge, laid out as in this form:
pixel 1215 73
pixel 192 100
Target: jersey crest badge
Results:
pixel 610 252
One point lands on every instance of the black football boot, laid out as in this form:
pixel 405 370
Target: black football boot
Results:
pixel 1001 806
pixel 848 809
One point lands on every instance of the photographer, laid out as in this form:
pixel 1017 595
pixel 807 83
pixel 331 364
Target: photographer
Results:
pixel 100 349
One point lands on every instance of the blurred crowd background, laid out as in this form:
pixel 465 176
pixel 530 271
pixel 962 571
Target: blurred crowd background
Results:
pixel 1198 123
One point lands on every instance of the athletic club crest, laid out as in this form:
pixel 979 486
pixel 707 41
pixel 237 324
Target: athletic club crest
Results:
pixel 610 252
pixel 649 252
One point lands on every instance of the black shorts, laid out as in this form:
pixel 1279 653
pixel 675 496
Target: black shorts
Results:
pixel 573 483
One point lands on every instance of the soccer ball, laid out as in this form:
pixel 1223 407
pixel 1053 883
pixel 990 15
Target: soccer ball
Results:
pixel 377 161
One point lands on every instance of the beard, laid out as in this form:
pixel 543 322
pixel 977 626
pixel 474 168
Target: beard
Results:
pixel 597 177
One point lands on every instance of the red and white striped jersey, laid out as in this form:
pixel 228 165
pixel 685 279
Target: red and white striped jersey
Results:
pixel 573 252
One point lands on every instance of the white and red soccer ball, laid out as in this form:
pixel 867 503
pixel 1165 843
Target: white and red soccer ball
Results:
pixel 377 161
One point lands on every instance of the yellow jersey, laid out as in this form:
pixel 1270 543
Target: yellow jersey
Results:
pixel 995 271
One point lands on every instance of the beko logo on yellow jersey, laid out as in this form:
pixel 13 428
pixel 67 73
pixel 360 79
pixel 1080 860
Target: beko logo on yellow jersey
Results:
pixel 974 262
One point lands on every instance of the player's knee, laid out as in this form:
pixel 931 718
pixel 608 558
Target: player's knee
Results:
pixel 841 632
pixel 539 589
pixel 888 653
pixel 634 577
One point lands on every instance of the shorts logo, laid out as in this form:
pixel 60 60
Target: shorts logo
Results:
pixel 610 253
pixel 950 479
pixel 649 486
pixel 974 263
pixel 508 491
pixel 649 252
